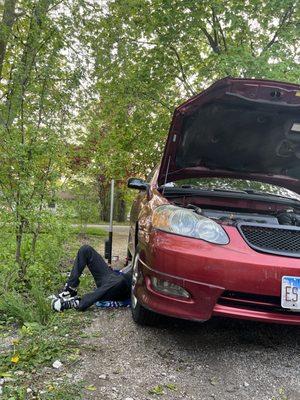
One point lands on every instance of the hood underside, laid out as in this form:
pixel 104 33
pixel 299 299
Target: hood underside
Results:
pixel 237 128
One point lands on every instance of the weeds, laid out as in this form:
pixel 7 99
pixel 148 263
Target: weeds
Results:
pixel 159 389
pixel 66 391
pixel 34 337
pixel 31 307
pixel 281 395
pixel 37 346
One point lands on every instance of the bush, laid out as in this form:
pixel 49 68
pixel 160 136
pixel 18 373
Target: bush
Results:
pixel 24 297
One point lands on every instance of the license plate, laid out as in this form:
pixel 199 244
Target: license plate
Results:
pixel 290 292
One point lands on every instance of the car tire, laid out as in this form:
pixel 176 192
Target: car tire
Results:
pixel 140 314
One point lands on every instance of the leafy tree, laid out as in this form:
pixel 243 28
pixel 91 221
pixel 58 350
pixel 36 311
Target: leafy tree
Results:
pixel 151 55
pixel 8 19
pixel 39 81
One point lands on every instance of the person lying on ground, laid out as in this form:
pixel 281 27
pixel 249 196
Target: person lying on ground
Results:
pixel 110 284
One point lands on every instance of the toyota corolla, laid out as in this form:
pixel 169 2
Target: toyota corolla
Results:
pixel 215 230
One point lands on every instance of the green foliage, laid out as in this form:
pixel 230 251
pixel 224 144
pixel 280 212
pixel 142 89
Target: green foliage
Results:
pixel 33 353
pixel 152 56
pixel 12 305
pixel 38 346
pixel 38 86
pixel 157 390
pixel 28 307
pixel 66 391
pixel 89 230
pixel 84 205
pixel 281 395
pixel 24 298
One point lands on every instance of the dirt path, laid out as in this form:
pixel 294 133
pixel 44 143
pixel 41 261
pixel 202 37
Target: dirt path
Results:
pixel 221 359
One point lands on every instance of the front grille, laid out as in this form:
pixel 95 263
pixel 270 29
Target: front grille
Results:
pixel 253 302
pixel 279 240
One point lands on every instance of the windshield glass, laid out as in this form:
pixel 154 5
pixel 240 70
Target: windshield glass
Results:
pixel 236 185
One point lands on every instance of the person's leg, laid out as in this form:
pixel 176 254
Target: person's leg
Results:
pixel 88 256
pixel 120 291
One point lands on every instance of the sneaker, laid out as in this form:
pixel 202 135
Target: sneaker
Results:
pixel 67 293
pixel 60 305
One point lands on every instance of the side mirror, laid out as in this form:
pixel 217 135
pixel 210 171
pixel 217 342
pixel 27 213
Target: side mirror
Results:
pixel 137 183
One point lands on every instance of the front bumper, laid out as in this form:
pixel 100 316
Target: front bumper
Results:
pixel 208 271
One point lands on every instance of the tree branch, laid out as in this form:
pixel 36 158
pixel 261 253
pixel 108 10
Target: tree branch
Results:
pixel 184 80
pixel 211 41
pixel 214 25
pixel 8 20
pixel 285 17
pixel 222 33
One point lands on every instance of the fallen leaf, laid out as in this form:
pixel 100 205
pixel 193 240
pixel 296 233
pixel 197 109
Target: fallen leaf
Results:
pixel 5 375
pixel 92 388
pixel 213 381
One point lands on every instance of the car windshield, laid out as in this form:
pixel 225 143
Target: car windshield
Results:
pixel 237 185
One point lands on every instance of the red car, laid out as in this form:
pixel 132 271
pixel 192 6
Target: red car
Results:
pixel 215 231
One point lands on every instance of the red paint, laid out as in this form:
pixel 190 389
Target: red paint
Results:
pixel 208 270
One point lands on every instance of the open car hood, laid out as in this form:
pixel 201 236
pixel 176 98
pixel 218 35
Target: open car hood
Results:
pixel 237 128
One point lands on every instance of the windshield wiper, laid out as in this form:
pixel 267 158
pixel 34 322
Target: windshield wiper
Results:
pixel 259 193
pixel 202 189
pixel 228 190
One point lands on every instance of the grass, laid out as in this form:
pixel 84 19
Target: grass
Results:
pixel 34 346
pixel 65 391
pixel 37 308
pixel 75 221
pixel 34 337
pixel 89 231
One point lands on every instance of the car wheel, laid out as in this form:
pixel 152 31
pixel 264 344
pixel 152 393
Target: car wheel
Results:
pixel 140 314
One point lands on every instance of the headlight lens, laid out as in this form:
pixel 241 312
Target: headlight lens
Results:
pixel 185 222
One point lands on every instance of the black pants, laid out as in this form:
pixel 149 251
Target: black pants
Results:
pixel 110 285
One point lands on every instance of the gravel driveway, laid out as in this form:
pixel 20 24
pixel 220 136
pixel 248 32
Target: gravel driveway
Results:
pixel 221 359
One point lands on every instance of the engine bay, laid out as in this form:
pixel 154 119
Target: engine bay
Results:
pixel 287 218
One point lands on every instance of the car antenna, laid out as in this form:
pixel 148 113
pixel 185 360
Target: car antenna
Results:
pixel 166 177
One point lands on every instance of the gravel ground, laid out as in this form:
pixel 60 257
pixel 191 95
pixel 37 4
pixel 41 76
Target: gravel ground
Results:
pixel 221 359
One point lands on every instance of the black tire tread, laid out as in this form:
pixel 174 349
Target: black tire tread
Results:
pixel 142 316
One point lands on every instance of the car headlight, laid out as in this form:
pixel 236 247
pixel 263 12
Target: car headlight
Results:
pixel 186 222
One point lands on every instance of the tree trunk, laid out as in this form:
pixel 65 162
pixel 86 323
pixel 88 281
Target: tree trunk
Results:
pixel 19 240
pixel 120 207
pixel 28 58
pixel 8 20
pixel 103 195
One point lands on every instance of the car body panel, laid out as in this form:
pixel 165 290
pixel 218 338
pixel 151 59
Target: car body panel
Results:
pixel 232 280
pixel 202 142
pixel 206 271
